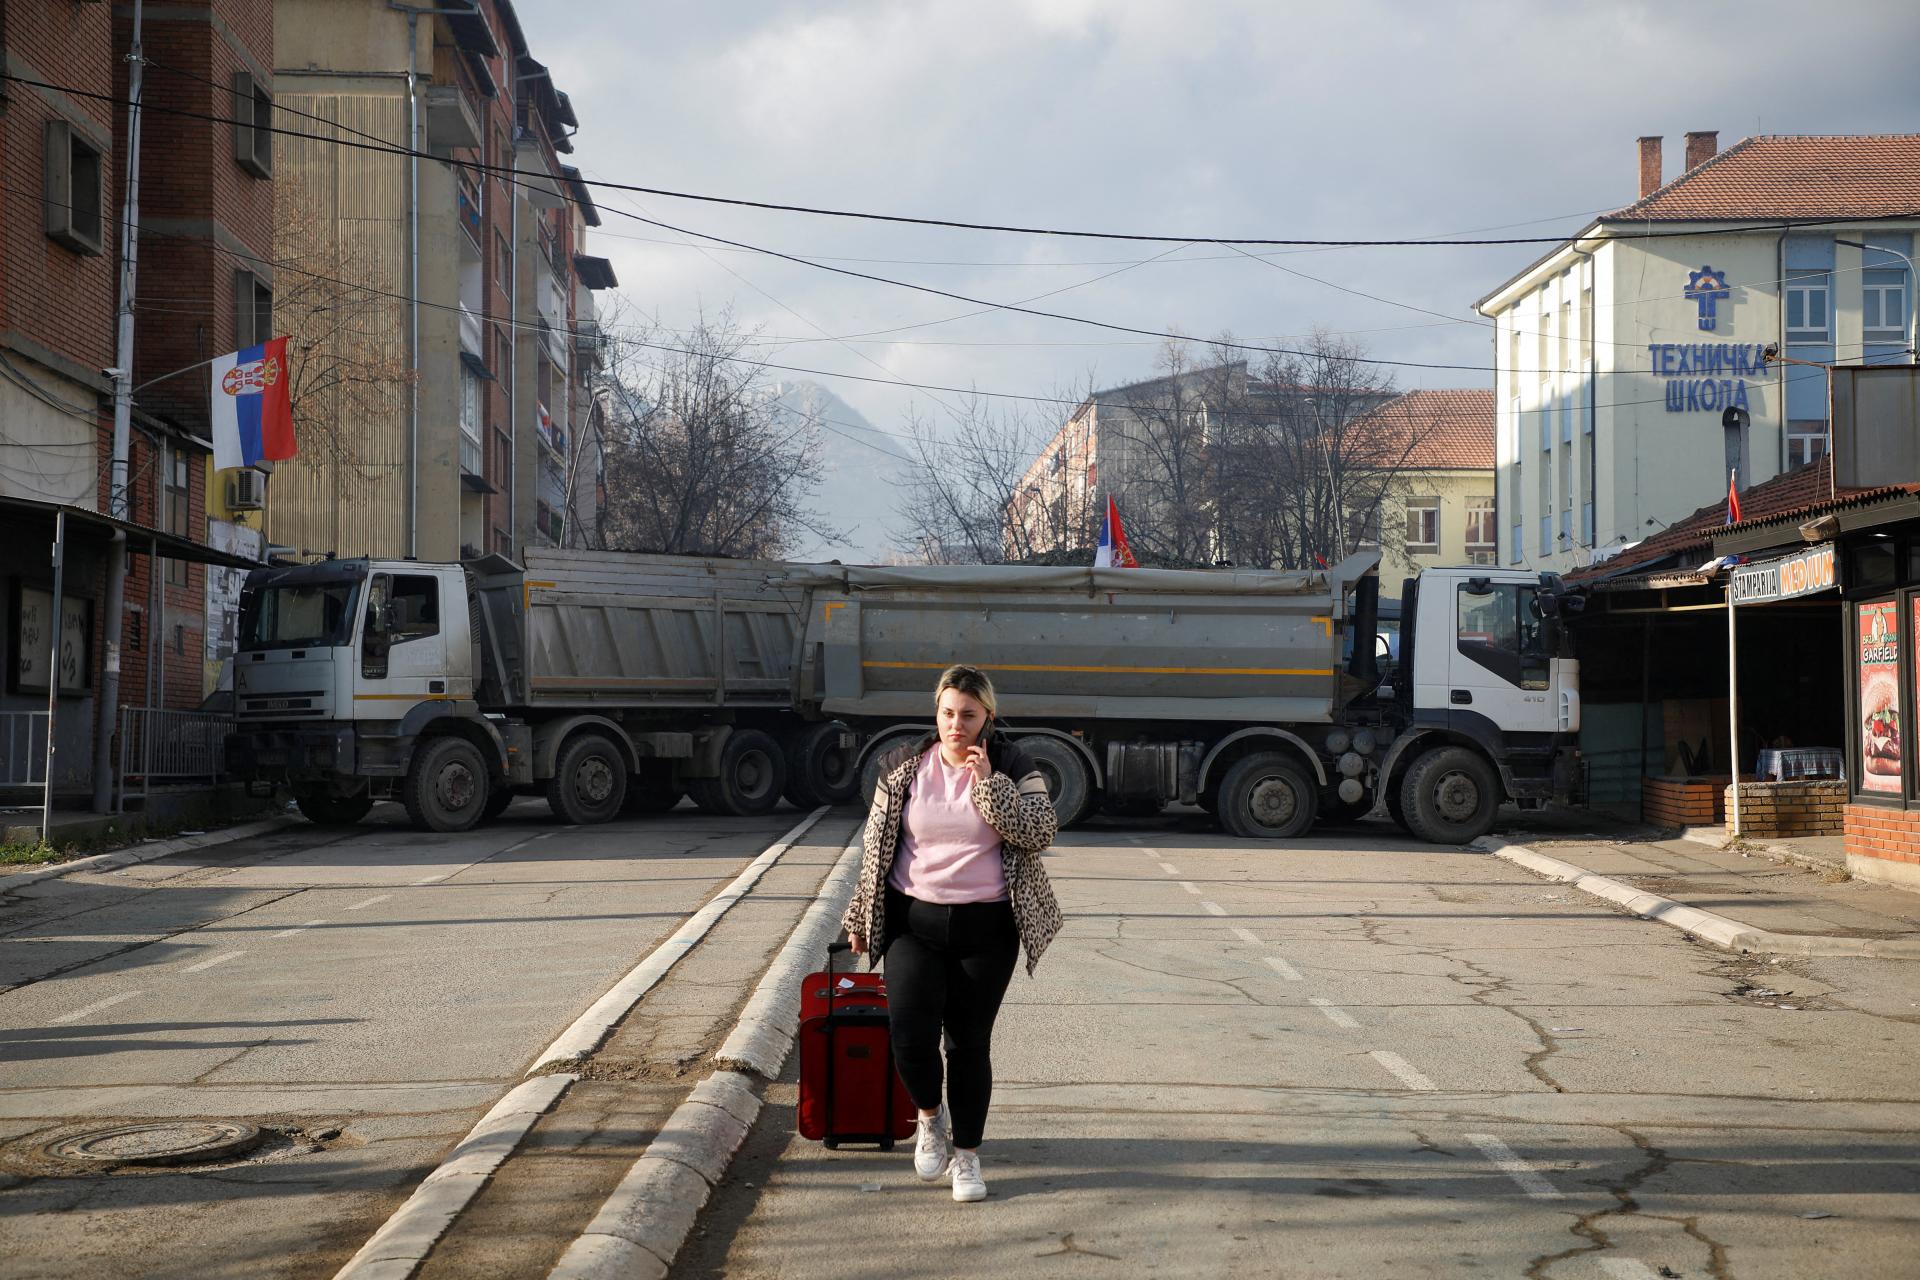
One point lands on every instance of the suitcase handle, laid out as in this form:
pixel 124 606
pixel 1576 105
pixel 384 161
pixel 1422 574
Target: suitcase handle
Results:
pixel 835 948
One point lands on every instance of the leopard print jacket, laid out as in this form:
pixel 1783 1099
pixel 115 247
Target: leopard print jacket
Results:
pixel 1020 811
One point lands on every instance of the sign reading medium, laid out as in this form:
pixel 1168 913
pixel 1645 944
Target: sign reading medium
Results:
pixel 1800 574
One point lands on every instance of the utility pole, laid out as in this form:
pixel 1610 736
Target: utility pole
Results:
pixel 119 499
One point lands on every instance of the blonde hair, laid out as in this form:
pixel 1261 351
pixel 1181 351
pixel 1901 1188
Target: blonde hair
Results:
pixel 971 681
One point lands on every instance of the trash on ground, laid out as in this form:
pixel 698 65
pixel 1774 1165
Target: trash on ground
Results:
pixel 1816 1213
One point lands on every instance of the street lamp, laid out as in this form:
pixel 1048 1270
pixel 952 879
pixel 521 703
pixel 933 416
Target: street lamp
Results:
pixel 1906 295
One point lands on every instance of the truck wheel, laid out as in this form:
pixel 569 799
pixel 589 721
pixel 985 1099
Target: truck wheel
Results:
pixel 1068 782
pixel 589 782
pixel 446 790
pixel 325 809
pixel 1267 796
pixel 1396 809
pixel 820 770
pixel 653 789
pixel 752 775
pixel 870 766
pixel 1450 796
pixel 499 800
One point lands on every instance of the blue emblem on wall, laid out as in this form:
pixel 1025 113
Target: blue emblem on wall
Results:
pixel 1706 287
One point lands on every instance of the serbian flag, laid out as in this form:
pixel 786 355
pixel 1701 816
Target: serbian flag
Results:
pixel 1733 499
pixel 252 406
pixel 1113 552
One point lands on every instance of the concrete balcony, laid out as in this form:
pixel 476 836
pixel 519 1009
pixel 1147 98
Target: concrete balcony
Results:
pixel 452 123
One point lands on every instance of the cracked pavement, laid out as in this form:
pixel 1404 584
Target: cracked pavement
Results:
pixel 1476 1072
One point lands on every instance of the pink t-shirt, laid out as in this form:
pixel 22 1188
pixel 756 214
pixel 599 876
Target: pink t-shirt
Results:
pixel 948 854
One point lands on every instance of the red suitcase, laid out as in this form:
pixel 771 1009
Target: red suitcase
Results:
pixel 850 1090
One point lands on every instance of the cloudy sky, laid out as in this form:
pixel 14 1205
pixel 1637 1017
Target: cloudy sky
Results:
pixel 1196 119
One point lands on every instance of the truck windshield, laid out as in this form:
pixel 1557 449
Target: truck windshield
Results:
pixel 298 615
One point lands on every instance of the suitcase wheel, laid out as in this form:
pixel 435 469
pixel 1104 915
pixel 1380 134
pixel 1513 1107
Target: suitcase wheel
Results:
pixel 886 1144
pixel 831 1144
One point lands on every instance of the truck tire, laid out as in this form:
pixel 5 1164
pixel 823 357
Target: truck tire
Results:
pixel 820 770
pixel 323 808
pixel 1268 796
pixel 654 789
pixel 752 775
pixel 499 800
pixel 870 766
pixel 1450 796
pixel 589 782
pixel 1395 808
pixel 447 787
pixel 1069 782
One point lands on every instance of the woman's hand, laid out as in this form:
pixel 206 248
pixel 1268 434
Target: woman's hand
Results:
pixel 858 941
pixel 977 761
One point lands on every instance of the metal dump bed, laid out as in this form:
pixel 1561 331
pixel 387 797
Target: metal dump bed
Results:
pixel 1110 644
pixel 604 629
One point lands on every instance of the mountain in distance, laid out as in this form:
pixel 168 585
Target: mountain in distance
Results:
pixel 858 481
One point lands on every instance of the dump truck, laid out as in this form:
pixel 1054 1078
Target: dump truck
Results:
pixel 608 682
pixel 1261 696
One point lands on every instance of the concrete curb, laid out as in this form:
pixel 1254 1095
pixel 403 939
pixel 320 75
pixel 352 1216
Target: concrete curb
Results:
pixel 146 851
pixel 405 1239
pixel 762 1038
pixel 591 1028
pixel 1720 930
pixel 641 1226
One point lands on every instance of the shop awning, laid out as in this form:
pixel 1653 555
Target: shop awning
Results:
pixel 172 546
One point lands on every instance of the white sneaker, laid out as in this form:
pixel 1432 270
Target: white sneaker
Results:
pixel 931 1147
pixel 968 1185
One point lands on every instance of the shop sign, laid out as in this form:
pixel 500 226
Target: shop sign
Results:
pixel 1801 574
pixel 1879 697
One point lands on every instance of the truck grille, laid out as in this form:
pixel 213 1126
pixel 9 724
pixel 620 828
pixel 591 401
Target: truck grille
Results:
pixel 292 703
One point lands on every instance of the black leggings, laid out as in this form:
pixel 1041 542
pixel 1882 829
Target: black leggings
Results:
pixel 948 967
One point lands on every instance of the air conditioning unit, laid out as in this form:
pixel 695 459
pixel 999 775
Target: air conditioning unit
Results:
pixel 246 490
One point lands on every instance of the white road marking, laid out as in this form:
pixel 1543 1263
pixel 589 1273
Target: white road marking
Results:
pixel 97 1006
pixel 288 933
pixel 1247 935
pixel 369 902
pixel 1170 869
pixel 1284 969
pixel 222 958
pixel 1404 1070
pixel 1214 907
pixel 1524 1175
pixel 1628 1269
pixel 1189 887
pixel 1335 1014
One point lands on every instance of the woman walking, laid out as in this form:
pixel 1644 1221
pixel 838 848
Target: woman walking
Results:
pixel 951 888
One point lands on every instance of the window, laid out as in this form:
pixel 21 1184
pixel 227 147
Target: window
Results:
pixel 179 508
pixel 1546 411
pixel 1566 331
pixel 1480 530
pixel 1566 525
pixel 253 126
pixel 70 188
pixel 1363 527
pixel 252 310
pixel 1500 629
pixel 1546 534
pixel 1806 441
pixel 1883 305
pixel 1515 551
pixel 1423 526
pixel 502 263
pixel 1517 418
pixel 1586 327
pixel 470 425
pixel 1807 310
pixel 1542 357
pixel 1513 361
pixel 1586 524
pixel 401 607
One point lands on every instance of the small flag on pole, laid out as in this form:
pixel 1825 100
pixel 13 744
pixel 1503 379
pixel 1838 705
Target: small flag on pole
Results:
pixel 1113 552
pixel 252 406
pixel 1733 498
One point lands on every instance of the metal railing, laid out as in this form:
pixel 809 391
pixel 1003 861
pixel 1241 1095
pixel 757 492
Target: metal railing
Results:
pixel 162 746
pixel 23 748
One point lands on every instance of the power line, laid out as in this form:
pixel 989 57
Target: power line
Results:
pixel 1786 224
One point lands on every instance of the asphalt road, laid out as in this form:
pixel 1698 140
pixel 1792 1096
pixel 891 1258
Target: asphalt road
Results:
pixel 365 995
pixel 1355 1056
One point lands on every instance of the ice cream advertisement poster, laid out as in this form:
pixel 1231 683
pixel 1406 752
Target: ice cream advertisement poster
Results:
pixel 1879 697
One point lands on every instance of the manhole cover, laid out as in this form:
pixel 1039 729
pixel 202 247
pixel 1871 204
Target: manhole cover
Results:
pixel 166 1142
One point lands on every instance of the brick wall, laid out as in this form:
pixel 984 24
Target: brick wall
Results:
pixel 1807 808
pixel 1683 802
pixel 1884 844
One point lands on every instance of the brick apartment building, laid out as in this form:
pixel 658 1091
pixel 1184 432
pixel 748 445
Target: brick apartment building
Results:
pixel 491 443
pixel 205 225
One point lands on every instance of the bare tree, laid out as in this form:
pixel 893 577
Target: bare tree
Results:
pixel 700 456
pixel 996 485
pixel 346 372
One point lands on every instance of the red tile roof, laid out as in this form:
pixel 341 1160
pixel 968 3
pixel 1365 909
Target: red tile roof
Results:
pixel 1443 430
pixel 1845 176
pixel 1791 497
